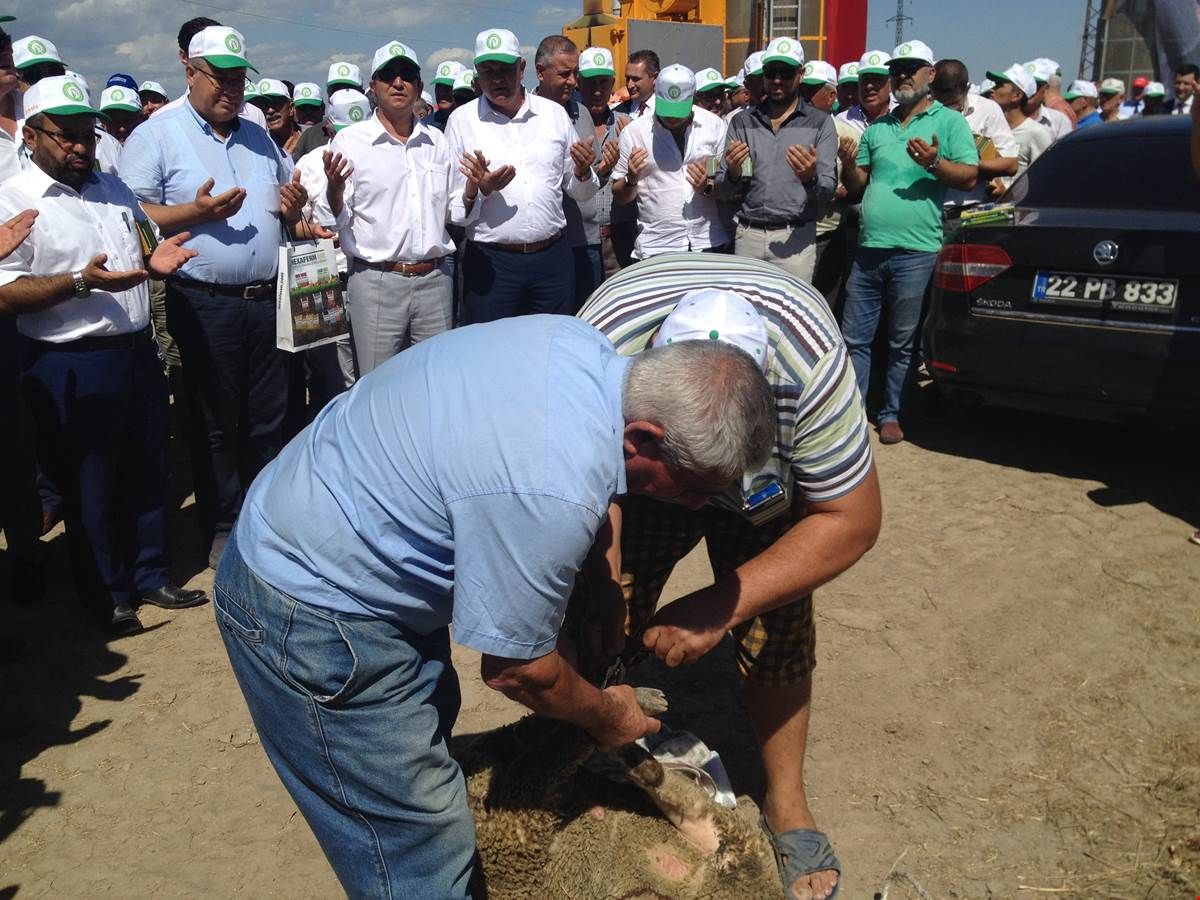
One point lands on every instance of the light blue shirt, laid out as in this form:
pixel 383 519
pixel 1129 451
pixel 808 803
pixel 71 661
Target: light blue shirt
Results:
pixel 502 441
pixel 171 154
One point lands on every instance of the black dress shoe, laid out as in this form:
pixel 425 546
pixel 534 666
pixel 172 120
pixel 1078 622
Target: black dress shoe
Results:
pixel 125 621
pixel 170 597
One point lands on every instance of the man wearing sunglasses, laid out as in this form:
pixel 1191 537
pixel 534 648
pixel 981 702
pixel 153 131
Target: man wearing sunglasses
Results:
pixel 200 167
pixel 902 168
pixel 90 370
pixel 388 196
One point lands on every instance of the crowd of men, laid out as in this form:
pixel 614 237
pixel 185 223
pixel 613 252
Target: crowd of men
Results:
pixel 740 239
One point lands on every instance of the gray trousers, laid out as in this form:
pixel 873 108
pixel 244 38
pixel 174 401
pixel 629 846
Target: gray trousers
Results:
pixel 389 312
pixel 792 249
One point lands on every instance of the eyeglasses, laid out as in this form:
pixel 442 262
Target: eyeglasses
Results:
pixel 230 83
pixel 779 72
pixel 388 74
pixel 901 69
pixel 67 140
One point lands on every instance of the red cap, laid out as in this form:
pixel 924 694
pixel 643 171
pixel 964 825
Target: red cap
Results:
pixel 1141 81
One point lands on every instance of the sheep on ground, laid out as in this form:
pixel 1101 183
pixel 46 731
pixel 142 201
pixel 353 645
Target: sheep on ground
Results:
pixel 547 827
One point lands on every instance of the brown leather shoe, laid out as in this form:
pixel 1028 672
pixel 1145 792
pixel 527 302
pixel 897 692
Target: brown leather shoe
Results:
pixel 890 433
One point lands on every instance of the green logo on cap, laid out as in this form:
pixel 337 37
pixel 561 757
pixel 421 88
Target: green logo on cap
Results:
pixel 306 92
pixel 674 91
pixel 904 50
pixel 343 69
pixel 233 44
pixel 852 69
pixel 808 68
pixel 874 59
pixel 264 86
pixel 1030 67
pixel 37 47
pixel 598 59
pixel 784 47
pixel 396 50
pixel 118 94
pixel 356 114
pixel 712 76
pixel 73 91
pixel 445 70
pixel 493 41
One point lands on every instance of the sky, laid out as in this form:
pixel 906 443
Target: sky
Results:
pixel 298 39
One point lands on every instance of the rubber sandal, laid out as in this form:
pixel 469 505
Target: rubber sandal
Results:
pixel 800 852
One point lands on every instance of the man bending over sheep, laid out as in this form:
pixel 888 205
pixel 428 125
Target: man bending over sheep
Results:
pixel 457 488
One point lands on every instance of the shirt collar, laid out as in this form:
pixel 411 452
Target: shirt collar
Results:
pixel 933 107
pixel 526 108
pixel 614 382
pixel 203 125
pixel 40 182
pixel 420 131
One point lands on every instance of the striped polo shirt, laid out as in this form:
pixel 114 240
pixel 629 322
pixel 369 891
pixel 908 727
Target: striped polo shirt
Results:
pixel 822 449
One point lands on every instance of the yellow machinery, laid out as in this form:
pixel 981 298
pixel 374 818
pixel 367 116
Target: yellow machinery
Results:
pixel 697 33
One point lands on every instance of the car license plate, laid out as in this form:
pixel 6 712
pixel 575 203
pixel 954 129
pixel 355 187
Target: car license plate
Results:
pixel 1118 292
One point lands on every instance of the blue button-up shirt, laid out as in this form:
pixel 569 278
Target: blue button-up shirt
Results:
pixel 170 155
pixel 461 483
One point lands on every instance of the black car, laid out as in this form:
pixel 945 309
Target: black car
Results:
pixel 1083 297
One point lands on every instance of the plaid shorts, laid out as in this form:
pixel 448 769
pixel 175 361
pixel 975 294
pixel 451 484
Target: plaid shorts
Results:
pixel 776 648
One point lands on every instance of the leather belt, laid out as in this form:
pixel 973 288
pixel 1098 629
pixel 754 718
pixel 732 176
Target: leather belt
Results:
pixel 250 291
pixel 780 223
pixel 424 267
pixel 129 341
pixel 533 247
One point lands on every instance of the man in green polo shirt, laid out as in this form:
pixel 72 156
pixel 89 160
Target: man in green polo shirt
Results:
pixel 902 168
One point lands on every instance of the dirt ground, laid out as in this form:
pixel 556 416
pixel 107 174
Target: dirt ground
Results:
pixel 1006 698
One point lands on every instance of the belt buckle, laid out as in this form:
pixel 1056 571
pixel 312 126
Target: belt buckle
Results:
pixel 249 292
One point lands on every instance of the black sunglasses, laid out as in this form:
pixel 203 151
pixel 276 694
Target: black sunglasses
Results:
pixel 390 73
pixel 907 67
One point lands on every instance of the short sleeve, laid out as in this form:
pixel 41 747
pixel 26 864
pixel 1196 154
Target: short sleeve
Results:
pixel 20 262
pixel 625 141
pixel 958 145
pixel 831 453
pixel 515 560
pixel 863 159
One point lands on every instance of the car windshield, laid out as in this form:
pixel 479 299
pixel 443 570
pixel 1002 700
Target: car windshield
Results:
pixel 1149 172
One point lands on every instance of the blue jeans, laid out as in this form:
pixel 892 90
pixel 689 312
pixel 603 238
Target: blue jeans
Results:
pixel 355 714
pixel 896 279
pixel 498 284
pixel 589 272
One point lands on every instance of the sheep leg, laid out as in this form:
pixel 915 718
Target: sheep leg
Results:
pixel 683 803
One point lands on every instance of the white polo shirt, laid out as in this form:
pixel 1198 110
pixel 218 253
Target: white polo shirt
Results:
pixel 986 119
pixel 71 229
pixel 1059 123
pixel 536 142
pixel 397 198
pixel 672 215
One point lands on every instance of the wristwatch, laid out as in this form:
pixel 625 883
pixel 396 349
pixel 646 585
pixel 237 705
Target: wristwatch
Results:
pixel 81 287
pixel 933 165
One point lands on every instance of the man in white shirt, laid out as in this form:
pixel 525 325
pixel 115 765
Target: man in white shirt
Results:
pixel 1014 86
pixel 993 137
pixel 90 369
pixel 668 163
pixel 516 152
pixel 388 196
pixel 1059 124
pixel 641 71
pixel 874 91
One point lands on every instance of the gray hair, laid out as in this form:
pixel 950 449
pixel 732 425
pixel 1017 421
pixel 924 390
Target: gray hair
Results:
pixel 1054 81
pixel 712 401
pixel 551 46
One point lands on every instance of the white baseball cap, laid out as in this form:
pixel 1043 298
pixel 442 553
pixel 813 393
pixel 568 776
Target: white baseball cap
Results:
pixel 122 98
pixel 447 71
pixel 986 85
pixel 390 51
pixel 708 80
pixel 873 62
pixel 596 62
pixel 735 82
pixel 674 92
pixel 273 87
pixel 817 71
pixel 1043 68
pixel 220 47
pixel 1112 86
pixel 344 73
pixel 1081 88
pixel 464 81
pixel 753 64
pixel 917 50
pixel 848 73
pixel 307 94
pixel 348 107
pixel 29 51
pixel 250 91
pixel 784 50
pixel 498 45
pixel 710 314
pixel 1018 75
pixel 427 98
pixel 1155 89
pixel 153 87
pixel 59 95
pixel 78 77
